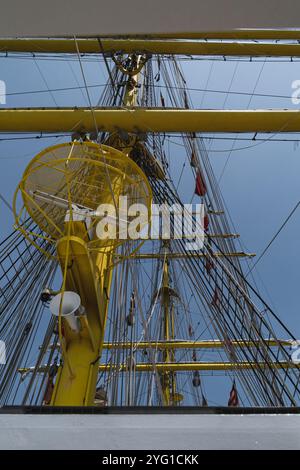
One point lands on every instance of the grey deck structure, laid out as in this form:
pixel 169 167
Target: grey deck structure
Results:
pixel 140 428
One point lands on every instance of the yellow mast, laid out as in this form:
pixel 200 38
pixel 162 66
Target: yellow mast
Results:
pixel 62 189
pixel 76 381
pixel 88 174
pixel 90 276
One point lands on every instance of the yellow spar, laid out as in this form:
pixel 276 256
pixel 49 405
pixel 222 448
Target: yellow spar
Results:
pixel 137 120
pixel 177 344
pixel 204 366
pixel 153 46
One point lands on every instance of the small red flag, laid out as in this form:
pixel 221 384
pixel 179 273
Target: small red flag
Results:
pixel 200 188
pixel 233 397
pixel 206 222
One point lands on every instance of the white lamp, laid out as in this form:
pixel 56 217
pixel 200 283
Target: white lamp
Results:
pixel 69 307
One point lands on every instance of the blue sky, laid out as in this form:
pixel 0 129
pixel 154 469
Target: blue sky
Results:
pixel 260 184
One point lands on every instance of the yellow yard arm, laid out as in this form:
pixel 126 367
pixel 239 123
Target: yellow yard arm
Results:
pixel 152 46
pixel 148 120
pixel 192 366
pixel 205 344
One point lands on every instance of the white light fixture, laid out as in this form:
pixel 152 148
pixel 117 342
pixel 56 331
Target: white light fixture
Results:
pixel 69 307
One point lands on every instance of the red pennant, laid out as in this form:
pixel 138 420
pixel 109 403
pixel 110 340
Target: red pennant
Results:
pixel 200 188
pixel 233 397
pixel 206 222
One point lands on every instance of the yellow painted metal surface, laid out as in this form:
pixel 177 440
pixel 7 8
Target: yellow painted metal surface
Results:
pixel 76 383
pixel 154 46
pixel 192 366
pixel 148 120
